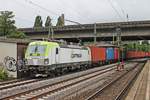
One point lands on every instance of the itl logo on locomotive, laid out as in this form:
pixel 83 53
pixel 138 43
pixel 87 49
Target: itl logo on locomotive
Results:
pixel 76 55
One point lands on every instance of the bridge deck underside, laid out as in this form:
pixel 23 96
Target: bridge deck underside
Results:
pixel 102 35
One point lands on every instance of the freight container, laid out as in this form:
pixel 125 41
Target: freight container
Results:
pixel 109 54
pixel 140 53
pixel 129 54
pixel 135 54
pixel 98 54
pixel 102 54
pixel 148 54
pixel 95 54
pixel 143 54
pixel 116 54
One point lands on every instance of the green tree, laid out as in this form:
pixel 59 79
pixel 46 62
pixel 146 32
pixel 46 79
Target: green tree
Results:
pixel 48 22
pixel 60 21
pixel 6 23
pixel 38 22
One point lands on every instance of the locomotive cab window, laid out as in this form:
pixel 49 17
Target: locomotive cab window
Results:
pixel 56 50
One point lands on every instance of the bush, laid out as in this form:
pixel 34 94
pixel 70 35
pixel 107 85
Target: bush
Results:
pixel 20 35
pixel 3 74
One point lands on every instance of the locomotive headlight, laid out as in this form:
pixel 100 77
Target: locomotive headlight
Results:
pixel 46 61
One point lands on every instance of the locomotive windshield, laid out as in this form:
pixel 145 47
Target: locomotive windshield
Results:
pixel 36 49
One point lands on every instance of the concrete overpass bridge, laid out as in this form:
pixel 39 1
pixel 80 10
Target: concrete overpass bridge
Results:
pixel 132 30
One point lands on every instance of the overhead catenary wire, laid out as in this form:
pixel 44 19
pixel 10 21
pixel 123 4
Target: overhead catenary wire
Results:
pixel 26 19
pixel 68 20
pixel 73 10
pixel 49 11
pixel 43 8
pixel 23 4
pixel 123 12
pixel 121 16
pixel 110 2
pixel 127 16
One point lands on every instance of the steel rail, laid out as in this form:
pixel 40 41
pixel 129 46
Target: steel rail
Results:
pixel 127 87
pixel 95 94
pixel 39 88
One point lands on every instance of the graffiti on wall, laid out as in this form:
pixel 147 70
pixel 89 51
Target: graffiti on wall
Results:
pixel 10 63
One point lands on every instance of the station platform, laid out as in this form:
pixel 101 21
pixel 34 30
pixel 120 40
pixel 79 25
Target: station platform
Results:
pixel 141 88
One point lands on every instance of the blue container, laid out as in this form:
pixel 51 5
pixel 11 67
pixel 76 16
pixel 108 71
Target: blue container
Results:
pixel 109 54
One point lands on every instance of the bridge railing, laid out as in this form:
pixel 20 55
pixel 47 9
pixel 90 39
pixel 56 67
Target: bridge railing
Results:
pixel 90 26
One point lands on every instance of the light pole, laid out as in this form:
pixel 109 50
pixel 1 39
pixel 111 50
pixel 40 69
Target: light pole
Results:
pixel 114 38
pixel 50 32
pixel 120 52
pixel 118 30
pixel 95 33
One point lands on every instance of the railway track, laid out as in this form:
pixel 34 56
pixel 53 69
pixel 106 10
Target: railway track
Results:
pixel 10 81
pixel 82 91
pixel 47 89
pixel 117 88
pixel 14 83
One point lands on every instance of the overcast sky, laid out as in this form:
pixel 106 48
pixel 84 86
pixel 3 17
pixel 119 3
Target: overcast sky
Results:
pixel 82 11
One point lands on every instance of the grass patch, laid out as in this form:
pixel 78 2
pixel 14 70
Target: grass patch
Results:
pixel 3 74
